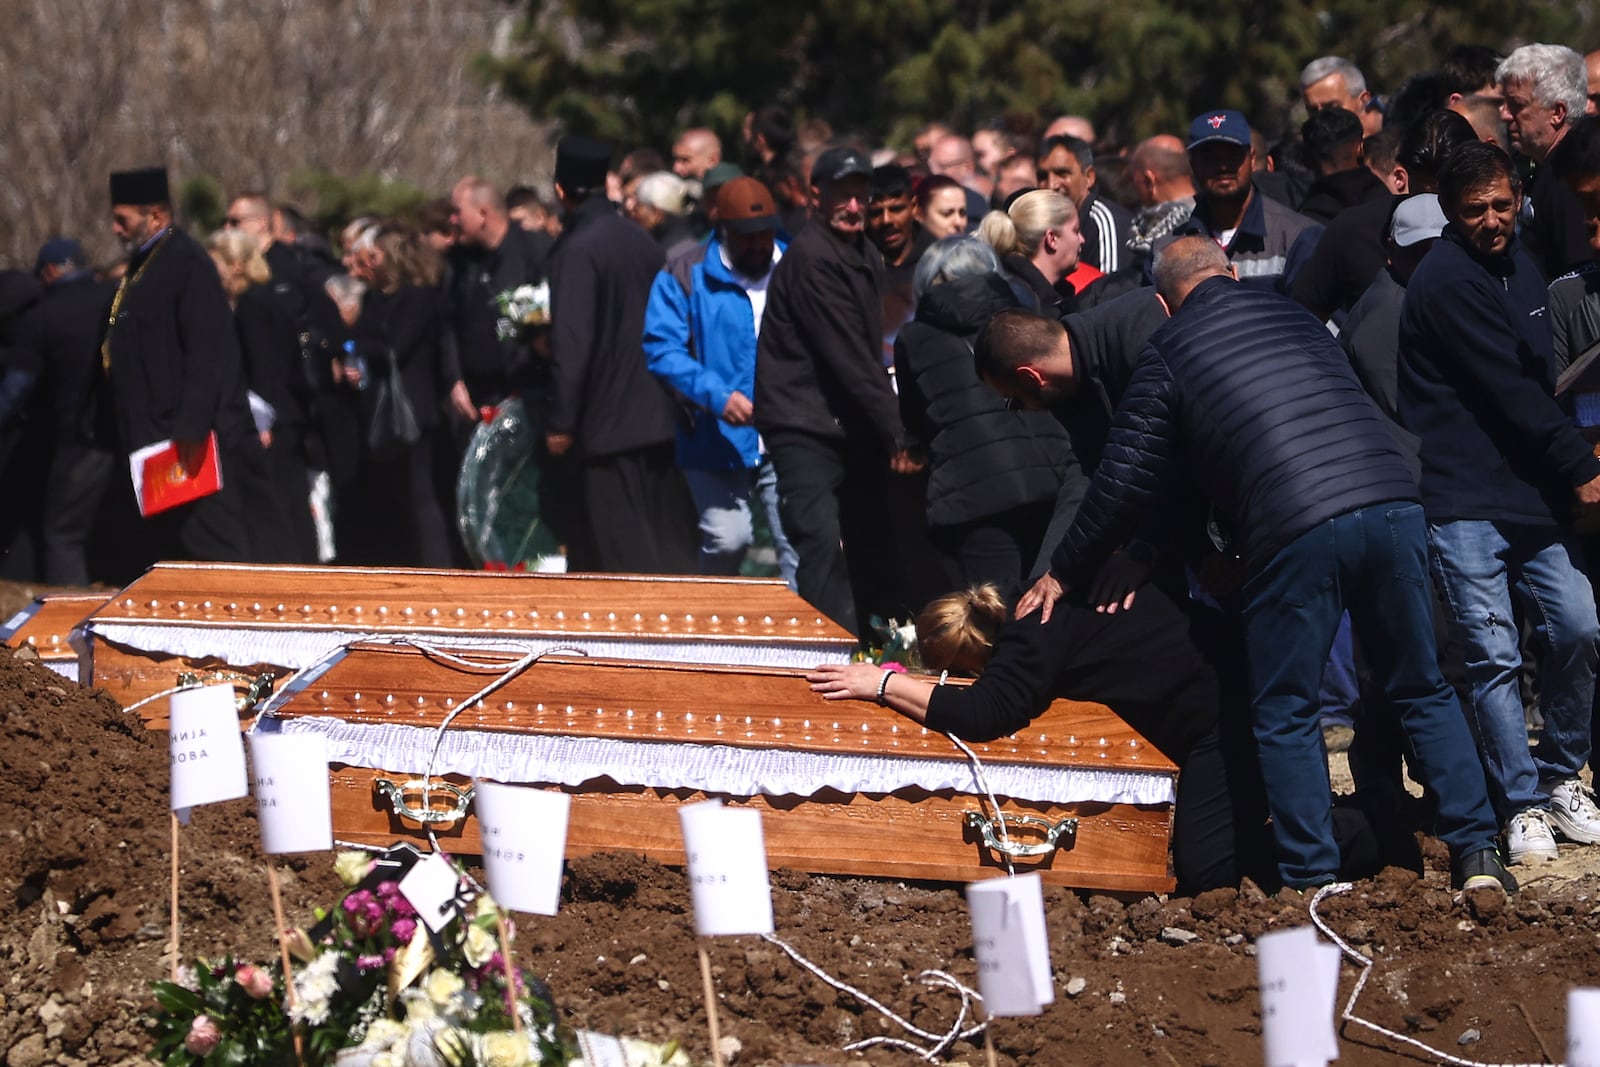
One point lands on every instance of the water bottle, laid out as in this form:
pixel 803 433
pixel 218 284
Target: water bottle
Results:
pixel 355 362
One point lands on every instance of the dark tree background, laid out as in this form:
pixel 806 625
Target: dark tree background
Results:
pixel 638 70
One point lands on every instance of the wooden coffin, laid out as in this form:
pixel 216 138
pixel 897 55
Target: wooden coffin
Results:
pixel 50 626
pixel 218 622
pixel 845 787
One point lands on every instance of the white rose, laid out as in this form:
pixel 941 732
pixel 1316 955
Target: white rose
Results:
pixel 442 985
pixel 385 1034
pixel 502 1048
pixel 351 867
pixel 479 945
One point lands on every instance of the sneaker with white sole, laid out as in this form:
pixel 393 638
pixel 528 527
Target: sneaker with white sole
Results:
pixel 1528 838
pixel 1573 813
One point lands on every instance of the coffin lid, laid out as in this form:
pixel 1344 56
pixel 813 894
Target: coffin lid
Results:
pixel 456 602
pixel 742 707
pixel 46 625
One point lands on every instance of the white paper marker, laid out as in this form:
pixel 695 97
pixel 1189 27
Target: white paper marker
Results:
pixel 1299 981
pixel 1011 945
pixel 1583 1028
pixel 524 834
pixel 431 885
pixel 206 747
pixel 727 869
pixel 289 776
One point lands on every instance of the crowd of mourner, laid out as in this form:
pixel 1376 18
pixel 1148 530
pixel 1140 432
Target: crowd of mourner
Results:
pixel 1272 448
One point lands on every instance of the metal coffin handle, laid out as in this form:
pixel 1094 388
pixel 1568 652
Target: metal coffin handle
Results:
pixel 1059 835
pixel 397 792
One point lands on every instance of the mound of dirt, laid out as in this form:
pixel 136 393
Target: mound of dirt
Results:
pixel 85 868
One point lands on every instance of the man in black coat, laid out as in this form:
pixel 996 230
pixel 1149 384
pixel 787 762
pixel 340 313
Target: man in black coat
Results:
pixel 824 404
pixel 605 408
pixel 1246 394
pixel 176 373
pixel 63 331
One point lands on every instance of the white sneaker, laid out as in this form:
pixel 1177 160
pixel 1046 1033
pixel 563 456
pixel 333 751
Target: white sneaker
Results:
pixel 1573 813
pixel 1528 838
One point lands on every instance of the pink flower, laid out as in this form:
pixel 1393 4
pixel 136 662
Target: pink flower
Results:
pixel 204 1036
pixel 403 930
pixel 256 982
pixel 369 963
pixel 891 665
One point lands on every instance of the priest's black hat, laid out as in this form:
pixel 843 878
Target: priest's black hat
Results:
pixel 581 163
pixel 146 185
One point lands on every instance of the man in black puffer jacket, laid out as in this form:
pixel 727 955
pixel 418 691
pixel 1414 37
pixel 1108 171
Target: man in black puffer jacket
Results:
pixel 1248 395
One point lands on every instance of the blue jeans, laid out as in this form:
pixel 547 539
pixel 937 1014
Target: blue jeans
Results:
pixel 1479 566
pixel 726 531
pixel 1372 562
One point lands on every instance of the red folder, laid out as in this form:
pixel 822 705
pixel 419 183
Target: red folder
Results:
pixel 160 482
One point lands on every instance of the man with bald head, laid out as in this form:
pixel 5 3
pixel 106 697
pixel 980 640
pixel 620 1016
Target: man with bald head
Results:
pixel 1077 126
pixel 1245 394
pixel 697 150
pixel 951 156
pixel 492 255
pixel 1159 172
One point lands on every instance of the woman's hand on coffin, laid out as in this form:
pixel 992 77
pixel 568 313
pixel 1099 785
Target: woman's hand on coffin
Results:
pixel 1042 597
pixel 846 681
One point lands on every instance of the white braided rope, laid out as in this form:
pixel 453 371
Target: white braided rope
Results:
pixel 941 1042
pixel 1366 964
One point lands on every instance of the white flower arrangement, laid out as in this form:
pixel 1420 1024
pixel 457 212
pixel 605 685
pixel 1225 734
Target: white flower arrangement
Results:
pixel 520 308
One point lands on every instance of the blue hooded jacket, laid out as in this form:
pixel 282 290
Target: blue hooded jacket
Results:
pixel 700 338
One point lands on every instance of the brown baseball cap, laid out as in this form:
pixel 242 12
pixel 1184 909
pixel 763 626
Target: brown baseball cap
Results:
pixel 745 206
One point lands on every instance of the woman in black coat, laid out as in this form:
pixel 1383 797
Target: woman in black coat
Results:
pixel 993 472
pixel 401 334
pixel 1143 663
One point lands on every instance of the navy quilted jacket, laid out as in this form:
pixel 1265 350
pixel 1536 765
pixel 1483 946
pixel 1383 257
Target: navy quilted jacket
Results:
pixel 1249 396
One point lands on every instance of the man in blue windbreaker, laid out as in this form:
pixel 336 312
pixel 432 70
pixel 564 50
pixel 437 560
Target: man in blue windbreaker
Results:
pixel 700 331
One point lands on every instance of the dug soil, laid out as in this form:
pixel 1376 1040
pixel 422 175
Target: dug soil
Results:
pixel 85 882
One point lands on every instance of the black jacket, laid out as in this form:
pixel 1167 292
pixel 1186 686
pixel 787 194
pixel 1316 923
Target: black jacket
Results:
pixel 176 371
pixel 1106 343
pixel 819 365
pixel 982 458
pixel 411 320
pixel 601 391
pixel 1556 234
pixel 492 368
pixel 1332 194
pixel 1476 387
pixel 1245 393
pixel 63 331
pixel 270 345
pixel 1349 256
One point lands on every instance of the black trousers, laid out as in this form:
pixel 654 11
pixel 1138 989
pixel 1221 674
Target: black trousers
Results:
pixel 997 549
pixel 831 499
pixel 79 476
pixel 641 517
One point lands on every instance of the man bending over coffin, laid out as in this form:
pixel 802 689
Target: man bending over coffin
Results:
pixel 1249 396
pixel 1139 662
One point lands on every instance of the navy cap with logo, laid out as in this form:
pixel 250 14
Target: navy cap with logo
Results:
pixel 58 252
pixel 1221 125
pixel 837 164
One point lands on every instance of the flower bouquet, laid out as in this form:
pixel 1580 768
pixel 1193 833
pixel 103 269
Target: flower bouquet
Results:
pixel 374 988
pixel 520 308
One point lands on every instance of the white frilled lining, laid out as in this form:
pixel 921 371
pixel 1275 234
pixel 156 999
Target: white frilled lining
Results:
pixel 572 761
pixel 297 649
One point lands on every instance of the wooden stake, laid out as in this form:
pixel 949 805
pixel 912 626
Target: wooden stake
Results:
pixel 988 1048
pixel 511 980
pixel 174 902
pixel 711 1006
pixel 283 954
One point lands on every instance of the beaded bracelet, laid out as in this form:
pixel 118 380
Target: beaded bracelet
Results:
pixel 883 685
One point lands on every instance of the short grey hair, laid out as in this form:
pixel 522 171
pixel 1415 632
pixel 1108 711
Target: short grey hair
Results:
pixel 664 190
pixel 1355 83
pixel 1554 73
pixel 950 259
